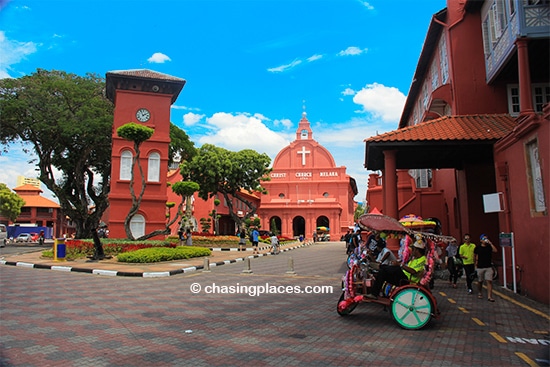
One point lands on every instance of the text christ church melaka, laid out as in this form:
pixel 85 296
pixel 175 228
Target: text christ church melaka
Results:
pixel 307 190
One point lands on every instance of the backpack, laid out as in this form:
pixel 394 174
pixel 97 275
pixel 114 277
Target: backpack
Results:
pixel 251 237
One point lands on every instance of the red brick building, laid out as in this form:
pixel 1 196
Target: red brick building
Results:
pixel 476 123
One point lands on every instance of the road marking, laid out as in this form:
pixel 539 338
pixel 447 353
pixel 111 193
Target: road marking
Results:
pixel 443 294
pixel 498 337
pixel 526 359
pixel 451 300
pixel 509 299
pixel 463 310
pixel 478 321
pixel 544 332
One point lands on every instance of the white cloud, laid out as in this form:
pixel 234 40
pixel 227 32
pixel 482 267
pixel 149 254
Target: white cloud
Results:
pixel 314 57
pixel 158 58
pixel 191 118
pixel 12 53
pixel 381 101
pixel 280 69
pixel 348 92
pixel 16 163
pixel 242 131
pixel 367 5
pixel 352 51
pixel 286 123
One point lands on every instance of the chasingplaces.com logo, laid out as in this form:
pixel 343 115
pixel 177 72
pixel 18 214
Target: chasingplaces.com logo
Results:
pixel 258 290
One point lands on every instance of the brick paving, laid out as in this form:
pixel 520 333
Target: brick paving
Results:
pixel 60 318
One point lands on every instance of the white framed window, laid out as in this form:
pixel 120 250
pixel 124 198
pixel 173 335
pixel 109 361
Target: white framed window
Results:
pixel 534 178
pixel 443 62
pixel 539 92
pixel 137 225
pixel 422 177
pixel 435 76
pixel 126 159
pixel 153 167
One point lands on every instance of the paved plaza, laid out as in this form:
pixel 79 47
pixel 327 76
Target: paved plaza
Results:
pixel 53 317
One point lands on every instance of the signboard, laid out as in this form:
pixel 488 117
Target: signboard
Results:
pixel 505 239
pixel 493 203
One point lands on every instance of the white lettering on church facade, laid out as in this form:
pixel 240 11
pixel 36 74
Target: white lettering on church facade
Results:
pixel 328 174
pixel 278 175
pixel 303 174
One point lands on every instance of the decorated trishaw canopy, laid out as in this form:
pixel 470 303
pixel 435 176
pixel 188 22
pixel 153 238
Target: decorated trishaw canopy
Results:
pixel 416 222
pixel 383 223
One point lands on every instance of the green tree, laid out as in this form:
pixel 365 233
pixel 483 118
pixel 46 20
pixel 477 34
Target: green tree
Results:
pixel 10 203
pixel 137 134
pixel 181 148
pixel 186 189
pixel 359 211
pixel 66 121
pixel 274 228
pixel 220 171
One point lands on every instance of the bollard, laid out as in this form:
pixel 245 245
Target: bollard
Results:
pixel 247 269
pixel 291 266
pixel 59 249
pixel 206 265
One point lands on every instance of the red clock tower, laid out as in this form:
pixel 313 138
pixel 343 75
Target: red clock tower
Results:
pixel 144 97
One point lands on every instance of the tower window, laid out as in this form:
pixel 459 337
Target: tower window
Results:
pixel 153 171
pixel 126 159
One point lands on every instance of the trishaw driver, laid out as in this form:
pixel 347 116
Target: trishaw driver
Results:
pixel 394 274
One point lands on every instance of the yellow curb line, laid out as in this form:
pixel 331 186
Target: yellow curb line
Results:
pixel 528 308
pixel 526 359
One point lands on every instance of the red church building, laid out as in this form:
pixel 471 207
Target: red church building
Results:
pixel 307 190
pixel 476 125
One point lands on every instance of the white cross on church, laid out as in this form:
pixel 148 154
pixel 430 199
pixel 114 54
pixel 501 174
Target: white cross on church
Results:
pixel 303 152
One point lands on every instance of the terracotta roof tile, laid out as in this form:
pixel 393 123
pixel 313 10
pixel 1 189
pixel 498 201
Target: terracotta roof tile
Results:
pixel 28 188
pixel 452 128
pixel 34 201
pixel 146 73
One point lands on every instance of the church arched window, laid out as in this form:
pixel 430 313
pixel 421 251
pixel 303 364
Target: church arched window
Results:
pixel 137 225
pixel 126 165
pixel 153 171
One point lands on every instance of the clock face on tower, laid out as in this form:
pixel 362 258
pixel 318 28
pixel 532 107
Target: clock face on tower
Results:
pixel 143 115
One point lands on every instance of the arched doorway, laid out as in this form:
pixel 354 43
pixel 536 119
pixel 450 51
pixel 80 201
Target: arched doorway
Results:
pixel 323 221
pixel 275 225
pixel 298 226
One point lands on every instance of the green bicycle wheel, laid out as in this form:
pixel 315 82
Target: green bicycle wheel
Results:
pixel 411 308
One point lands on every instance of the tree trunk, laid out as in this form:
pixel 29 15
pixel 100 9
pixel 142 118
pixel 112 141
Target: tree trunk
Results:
pixel 99 254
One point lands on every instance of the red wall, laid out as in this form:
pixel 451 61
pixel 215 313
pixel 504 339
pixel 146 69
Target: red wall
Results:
pixel 532 236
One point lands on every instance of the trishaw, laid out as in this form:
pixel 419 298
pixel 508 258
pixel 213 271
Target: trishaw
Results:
pixel 412 305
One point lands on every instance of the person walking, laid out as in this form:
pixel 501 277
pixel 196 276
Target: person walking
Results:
pixel 466 253
pixel 452 252
pixel 188 238
pixel 484 264
pixel 274 244
pixel 242 240
pixel 254 238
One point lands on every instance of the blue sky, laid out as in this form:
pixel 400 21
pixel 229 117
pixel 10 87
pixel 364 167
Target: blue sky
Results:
pixel 251 66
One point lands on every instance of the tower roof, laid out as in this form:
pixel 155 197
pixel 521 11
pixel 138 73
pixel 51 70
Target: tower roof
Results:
pixel 143 80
